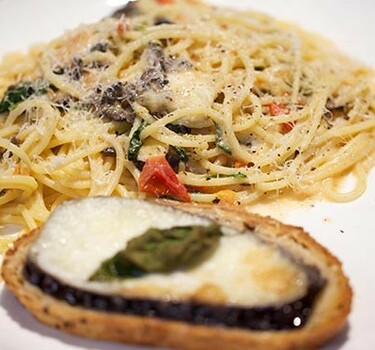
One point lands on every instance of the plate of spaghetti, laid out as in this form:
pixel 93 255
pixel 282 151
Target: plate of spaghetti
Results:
pixel 192 102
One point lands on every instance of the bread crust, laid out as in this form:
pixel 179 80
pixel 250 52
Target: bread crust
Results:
pixel 326 321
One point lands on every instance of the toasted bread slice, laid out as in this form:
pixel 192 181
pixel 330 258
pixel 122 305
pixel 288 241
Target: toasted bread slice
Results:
pixel 326 318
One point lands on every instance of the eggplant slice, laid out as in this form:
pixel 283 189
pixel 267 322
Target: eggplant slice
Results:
pixel 263 278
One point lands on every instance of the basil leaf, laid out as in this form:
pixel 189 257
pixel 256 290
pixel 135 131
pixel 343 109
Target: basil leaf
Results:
pixel 161 251
pixel 220 141
pixel 116 267
pixel 136 143
pixel 178 247
pixel 18 93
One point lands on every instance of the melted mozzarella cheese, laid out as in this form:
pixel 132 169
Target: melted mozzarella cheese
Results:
pixel 191 88
pixel 244 270
pixel 186 89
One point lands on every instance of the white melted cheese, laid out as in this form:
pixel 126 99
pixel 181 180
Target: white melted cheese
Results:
pixel 186 89
pixel 191 89
pixel 80 235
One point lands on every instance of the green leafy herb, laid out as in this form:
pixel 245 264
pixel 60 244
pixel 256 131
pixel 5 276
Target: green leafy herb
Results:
pixel 117 267
pixel 182 153
pixel 176 155
pixel 18 93
pixel 178 247
pixel 161 251
pixel 238 175
pixel 220 141
pixel 136 143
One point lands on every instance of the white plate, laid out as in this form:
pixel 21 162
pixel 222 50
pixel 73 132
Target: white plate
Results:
pixel 348 230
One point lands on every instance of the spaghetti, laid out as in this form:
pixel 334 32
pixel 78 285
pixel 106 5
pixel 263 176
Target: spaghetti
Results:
pixel 250 106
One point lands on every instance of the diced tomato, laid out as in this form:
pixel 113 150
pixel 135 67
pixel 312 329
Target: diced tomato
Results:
pixel 158 178
pixel 278 109
pixel 165 2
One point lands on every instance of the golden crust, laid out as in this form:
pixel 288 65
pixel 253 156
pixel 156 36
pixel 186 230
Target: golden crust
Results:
pixel 326 321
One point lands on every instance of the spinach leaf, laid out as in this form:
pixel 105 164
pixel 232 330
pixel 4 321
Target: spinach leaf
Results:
pixel 220 141
pixel 161 251
pixel 136 143
pixel 18 93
